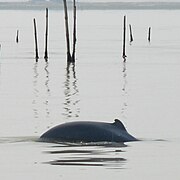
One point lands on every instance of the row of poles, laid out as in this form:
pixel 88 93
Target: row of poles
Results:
pixel 46 39
pixel 131 37
pixel 70 56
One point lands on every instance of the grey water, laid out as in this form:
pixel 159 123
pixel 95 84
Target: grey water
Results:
pixel 143 93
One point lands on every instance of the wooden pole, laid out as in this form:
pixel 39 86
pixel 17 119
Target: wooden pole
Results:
pixel 17 36
pixel 131 35
pixel 69 59
pixel 124 40
pixel 36 43
pixel 46 36
pixel 149 34
pixel 74 31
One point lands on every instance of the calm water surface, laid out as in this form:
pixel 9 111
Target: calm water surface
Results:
pixel 143 93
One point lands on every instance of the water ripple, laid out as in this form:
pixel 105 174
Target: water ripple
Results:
pixel 103 154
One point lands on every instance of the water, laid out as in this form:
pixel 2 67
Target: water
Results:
pixel 143 93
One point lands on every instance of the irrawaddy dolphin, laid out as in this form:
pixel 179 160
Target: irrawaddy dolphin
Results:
pixel 88 131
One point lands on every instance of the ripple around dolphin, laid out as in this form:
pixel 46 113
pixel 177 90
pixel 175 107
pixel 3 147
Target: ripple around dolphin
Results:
pixel 93 155
pixel 109 155
pixel 18 139
pixel 88 162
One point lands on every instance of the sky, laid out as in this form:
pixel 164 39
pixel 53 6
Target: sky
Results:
pixel 129 0
pixel 105 0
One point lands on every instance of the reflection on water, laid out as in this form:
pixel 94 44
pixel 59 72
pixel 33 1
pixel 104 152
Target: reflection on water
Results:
pixel 88 161
pixel 47 89
pixel 124 90
pixel 41 92
pixel 36 91
pixel 71 93
pixel 104 155
pixel 36 86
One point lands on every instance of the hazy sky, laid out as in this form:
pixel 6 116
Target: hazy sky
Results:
pixel 107 0
pixel 130 0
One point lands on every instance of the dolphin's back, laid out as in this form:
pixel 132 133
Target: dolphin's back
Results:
pixel 87 131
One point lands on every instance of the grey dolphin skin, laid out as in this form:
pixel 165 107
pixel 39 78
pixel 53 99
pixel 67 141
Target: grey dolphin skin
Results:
pixel 87 131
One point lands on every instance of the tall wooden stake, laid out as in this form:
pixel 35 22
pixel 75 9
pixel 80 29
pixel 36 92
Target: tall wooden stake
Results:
pixel 69 59
pixel 36 43
pixel 17 36
pixel 46 36
pixel 124 40
pixel 149 34
pixel 131 36
pixel 74 31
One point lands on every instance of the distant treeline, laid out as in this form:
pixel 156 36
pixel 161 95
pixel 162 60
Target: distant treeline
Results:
pixel 40 4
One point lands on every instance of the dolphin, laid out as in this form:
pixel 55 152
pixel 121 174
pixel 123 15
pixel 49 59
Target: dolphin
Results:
pixel 88 131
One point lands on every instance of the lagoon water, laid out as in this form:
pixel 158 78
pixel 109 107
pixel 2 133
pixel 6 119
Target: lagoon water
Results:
pixel 144 93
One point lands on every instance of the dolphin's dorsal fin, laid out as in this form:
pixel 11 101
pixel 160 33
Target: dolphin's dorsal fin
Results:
pixel 119 124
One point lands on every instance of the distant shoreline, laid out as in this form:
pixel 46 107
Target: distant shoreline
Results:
pixel 91 6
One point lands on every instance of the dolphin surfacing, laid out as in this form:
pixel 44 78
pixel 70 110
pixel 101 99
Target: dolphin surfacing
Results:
pixel 88 131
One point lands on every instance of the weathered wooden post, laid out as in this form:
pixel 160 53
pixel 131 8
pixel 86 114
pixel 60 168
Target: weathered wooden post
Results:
pixel 17 36
pixel 124 40
pixel 69 58
pixel 36 43
pixel 149 34
pixel 131 35
pixel 46 36
pixel 74 31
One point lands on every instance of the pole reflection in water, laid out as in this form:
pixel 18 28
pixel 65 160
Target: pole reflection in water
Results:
pixel 41 93
pixel 36 91
pixel 71 92
pixel 47 89
pixel 124 91
pixel 36 95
